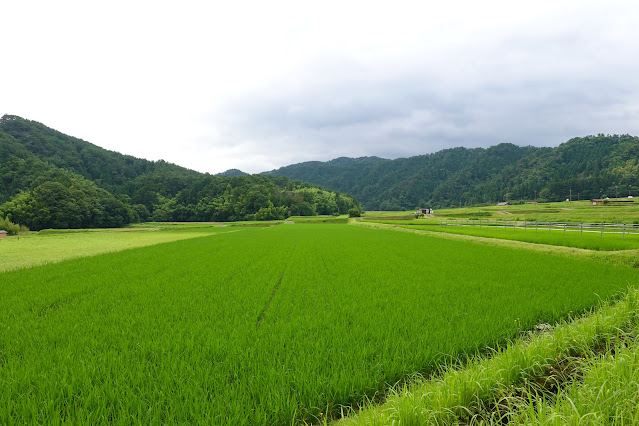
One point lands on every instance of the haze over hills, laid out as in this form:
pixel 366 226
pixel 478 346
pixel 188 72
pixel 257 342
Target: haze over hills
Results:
pixel 52 180
pixel 581 168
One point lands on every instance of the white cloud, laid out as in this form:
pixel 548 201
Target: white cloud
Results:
pixel 258 85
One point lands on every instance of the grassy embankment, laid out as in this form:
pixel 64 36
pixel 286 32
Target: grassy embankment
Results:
pixel 583 372
pixel 268 326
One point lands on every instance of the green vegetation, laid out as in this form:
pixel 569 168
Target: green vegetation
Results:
pixel 605 394
pixel 588 167
pixel 354 213
pixel 507 222
pixel 258 324
pixel 318 219
pixel 76 203
pixel 12 228
pixel 54 246
pixel 267 325
pixel 51 180
pixel 575 211
pixel 571 238
pixel 517 383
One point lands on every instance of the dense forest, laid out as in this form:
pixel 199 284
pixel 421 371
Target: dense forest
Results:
pixel 52 180
pixel 582 168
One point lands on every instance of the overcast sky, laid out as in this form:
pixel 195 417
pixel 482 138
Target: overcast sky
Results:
pixel 257 85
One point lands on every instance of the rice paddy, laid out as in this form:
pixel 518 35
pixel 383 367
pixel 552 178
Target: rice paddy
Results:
pixel 589 239
pixel 54 246
pixel 582 371
pixel 279 325
pixel 569 211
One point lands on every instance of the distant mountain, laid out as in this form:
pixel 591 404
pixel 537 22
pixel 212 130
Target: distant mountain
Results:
pixel 232 172
pixel 105 188
pixel 586 167
pixel 52 180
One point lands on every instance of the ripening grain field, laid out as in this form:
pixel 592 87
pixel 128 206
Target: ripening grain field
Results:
pixel 274 325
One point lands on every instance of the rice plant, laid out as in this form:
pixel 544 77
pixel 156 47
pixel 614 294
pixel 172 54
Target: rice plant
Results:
pixel 279 325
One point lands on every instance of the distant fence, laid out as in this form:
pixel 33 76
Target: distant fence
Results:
pixel 581 227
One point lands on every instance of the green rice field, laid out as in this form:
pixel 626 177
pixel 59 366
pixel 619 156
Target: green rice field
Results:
pixel 571 238
pixel 279 325
pixel 567 211
pixel 54 246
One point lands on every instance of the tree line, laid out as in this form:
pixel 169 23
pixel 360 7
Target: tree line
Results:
pixel 51 180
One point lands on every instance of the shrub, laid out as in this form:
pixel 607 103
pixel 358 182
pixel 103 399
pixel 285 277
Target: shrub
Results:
pixel 354 213
pixel 12 228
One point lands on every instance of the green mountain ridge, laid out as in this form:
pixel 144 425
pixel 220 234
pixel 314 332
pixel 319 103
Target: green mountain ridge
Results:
pixel 232 172
pixel 98 187
pixel 52 180
pixel 586 167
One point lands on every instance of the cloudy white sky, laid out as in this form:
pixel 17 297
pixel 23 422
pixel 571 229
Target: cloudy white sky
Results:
pixel 256 85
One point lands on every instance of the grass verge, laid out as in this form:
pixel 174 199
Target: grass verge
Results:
pixel 511 385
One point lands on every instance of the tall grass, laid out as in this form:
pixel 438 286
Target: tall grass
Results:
pixel 607 392
pixel 267 325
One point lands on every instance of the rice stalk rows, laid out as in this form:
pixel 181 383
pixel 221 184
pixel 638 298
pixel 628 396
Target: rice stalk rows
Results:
pixel 583 372
pixel 267 325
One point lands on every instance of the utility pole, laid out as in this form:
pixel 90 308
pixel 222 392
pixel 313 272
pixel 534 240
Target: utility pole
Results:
pixel 571 194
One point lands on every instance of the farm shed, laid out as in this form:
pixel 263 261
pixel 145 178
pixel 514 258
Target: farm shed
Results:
pixel 503 203
pixel 424 211
pixel 596 201
pixel 3 233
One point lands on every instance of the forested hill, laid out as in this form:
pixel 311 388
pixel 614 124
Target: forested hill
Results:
pixel 109 170
pixel 52 180
pixel 588 167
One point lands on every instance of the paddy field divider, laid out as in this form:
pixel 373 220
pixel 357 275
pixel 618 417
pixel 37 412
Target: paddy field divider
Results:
pixel 549 226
